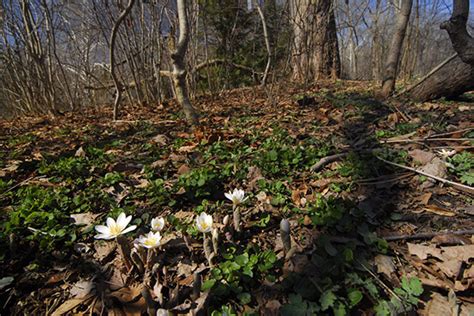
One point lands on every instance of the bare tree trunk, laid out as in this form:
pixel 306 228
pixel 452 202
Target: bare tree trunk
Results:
pixel 376 47
pixel 391 66
pixel 316 51
pixel 179 69
pixel 113 36
pixel 267 42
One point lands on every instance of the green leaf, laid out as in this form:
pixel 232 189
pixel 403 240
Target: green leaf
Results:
pixel 339 310
pixel 244 298
pixel 355 296
pixel 412 286
pixel 247 271
pixel 468 178
pixel 208 284
pixel 348 255
pixel 327 300
pixel 296 307
pixel 242 260
pixel 382 309
pixel 272 155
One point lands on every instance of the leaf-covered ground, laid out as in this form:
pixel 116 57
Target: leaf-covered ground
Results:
pixel 318 157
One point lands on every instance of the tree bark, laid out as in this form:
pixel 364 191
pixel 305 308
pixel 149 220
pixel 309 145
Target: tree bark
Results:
pixel 391 66
pixel 376 49
pixel 179 69
pixel 462 42
pixel 315 50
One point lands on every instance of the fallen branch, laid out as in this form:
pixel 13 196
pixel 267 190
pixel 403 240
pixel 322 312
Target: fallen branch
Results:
pixel 450 133
pixel 427 235
pixel 326 160
pixel 217 61
pixel 460 186
pixel 420 140
pixel 447 60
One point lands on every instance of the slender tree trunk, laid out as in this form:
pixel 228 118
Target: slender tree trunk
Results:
pixel 391 66
pixel 267 42
pixel 376 48
pixel 179 69
pixel 113 36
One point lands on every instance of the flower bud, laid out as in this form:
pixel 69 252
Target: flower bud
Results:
pixel 226 219
pixel 215 240
pixel 285 234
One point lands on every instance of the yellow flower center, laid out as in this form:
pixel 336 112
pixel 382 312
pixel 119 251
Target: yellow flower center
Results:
pixel 151 241
pixel 204 225
pixel 115 229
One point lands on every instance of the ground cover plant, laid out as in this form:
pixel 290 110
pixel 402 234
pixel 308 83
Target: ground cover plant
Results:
pixel 289 209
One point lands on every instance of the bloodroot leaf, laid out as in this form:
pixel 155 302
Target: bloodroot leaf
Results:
pixel 244 298
pixel 327 300
pixel 355 296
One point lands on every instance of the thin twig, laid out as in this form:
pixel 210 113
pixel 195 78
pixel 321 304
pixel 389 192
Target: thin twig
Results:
pixel 428 235
pixel 380 281
pixel 463 187
pixel 326 160
pixel 375 182
pixel 451 133
pixel 420 140
pixel 20 184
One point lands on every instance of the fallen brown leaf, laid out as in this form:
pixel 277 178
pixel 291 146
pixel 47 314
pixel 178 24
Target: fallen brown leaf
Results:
pixel 438 210
pixel 70 304
pixel 423 252
pixel 421 156
pixel 462 253
pixel 385 265
pixel 438 305
pixel 82 288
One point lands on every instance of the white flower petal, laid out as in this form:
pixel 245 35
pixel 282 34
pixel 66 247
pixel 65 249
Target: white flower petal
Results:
pixel 157 224
pixel 102 229
pixel 103 236
pixel 129 229
pixel 229 196
pixel 110 222
pixel 123 220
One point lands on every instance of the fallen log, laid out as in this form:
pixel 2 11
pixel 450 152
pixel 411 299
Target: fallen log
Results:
pixel 450 80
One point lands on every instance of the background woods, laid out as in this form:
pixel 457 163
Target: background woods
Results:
pixel 236 157
pixel 55 55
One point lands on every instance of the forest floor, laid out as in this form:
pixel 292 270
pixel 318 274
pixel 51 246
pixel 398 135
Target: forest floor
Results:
pixel 367 237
